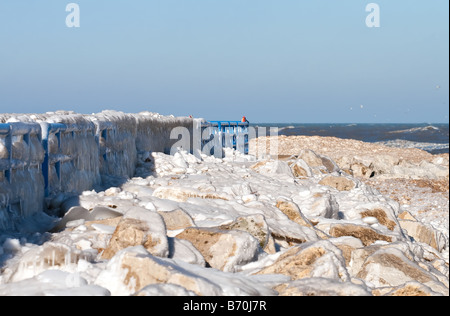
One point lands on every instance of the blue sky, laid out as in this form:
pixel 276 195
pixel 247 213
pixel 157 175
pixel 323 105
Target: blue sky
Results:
pixel 272 61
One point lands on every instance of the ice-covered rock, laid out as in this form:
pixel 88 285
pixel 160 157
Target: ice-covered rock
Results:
pixel 425 233
pixel 318 163
pixel 367 235
pixel 187 225
pixel 309 260
pixel 225 250
pixel 164 289
pixel 134 268
pixel 255 225
pixel 347 244
pixel 391 267
pixel 177 219
pixel 317 203
pixel 322 287
pixel 182 194
pixel 52 255
pixel 53 283
pixel 340 183
pixel 139 227
pixel 80 213
pixel 280 168
pixel 184 250
pixel 300 169
pixel 292 211
pixel 411 288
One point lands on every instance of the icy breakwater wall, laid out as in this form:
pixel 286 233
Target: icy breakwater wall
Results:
pixel 44 155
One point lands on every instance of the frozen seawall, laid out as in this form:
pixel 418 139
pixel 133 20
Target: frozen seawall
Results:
pixel 44 155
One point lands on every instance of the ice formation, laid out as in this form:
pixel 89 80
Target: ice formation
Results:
pixel 186 225
pixel 43 155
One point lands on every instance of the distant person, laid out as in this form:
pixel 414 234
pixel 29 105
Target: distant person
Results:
pixel 244 120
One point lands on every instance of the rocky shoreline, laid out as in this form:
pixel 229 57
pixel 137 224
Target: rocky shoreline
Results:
pixel 331 217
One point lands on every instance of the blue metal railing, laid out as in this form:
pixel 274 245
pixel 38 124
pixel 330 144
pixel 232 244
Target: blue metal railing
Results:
pixel 17 153
pixel 102 135
pixel 58 161
pixel 7 134
pixel 6 143
pixel 55 137
pixel 232 134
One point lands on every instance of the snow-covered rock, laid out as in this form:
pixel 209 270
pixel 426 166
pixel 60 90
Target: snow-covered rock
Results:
pixel 187 225
pixel 309 260
pixel 317 286
pixel 366 234
pixel 176 219
pixel 391 267
pixel 139 227
pixel 225 250
pixel 132 269
pixel 425 233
